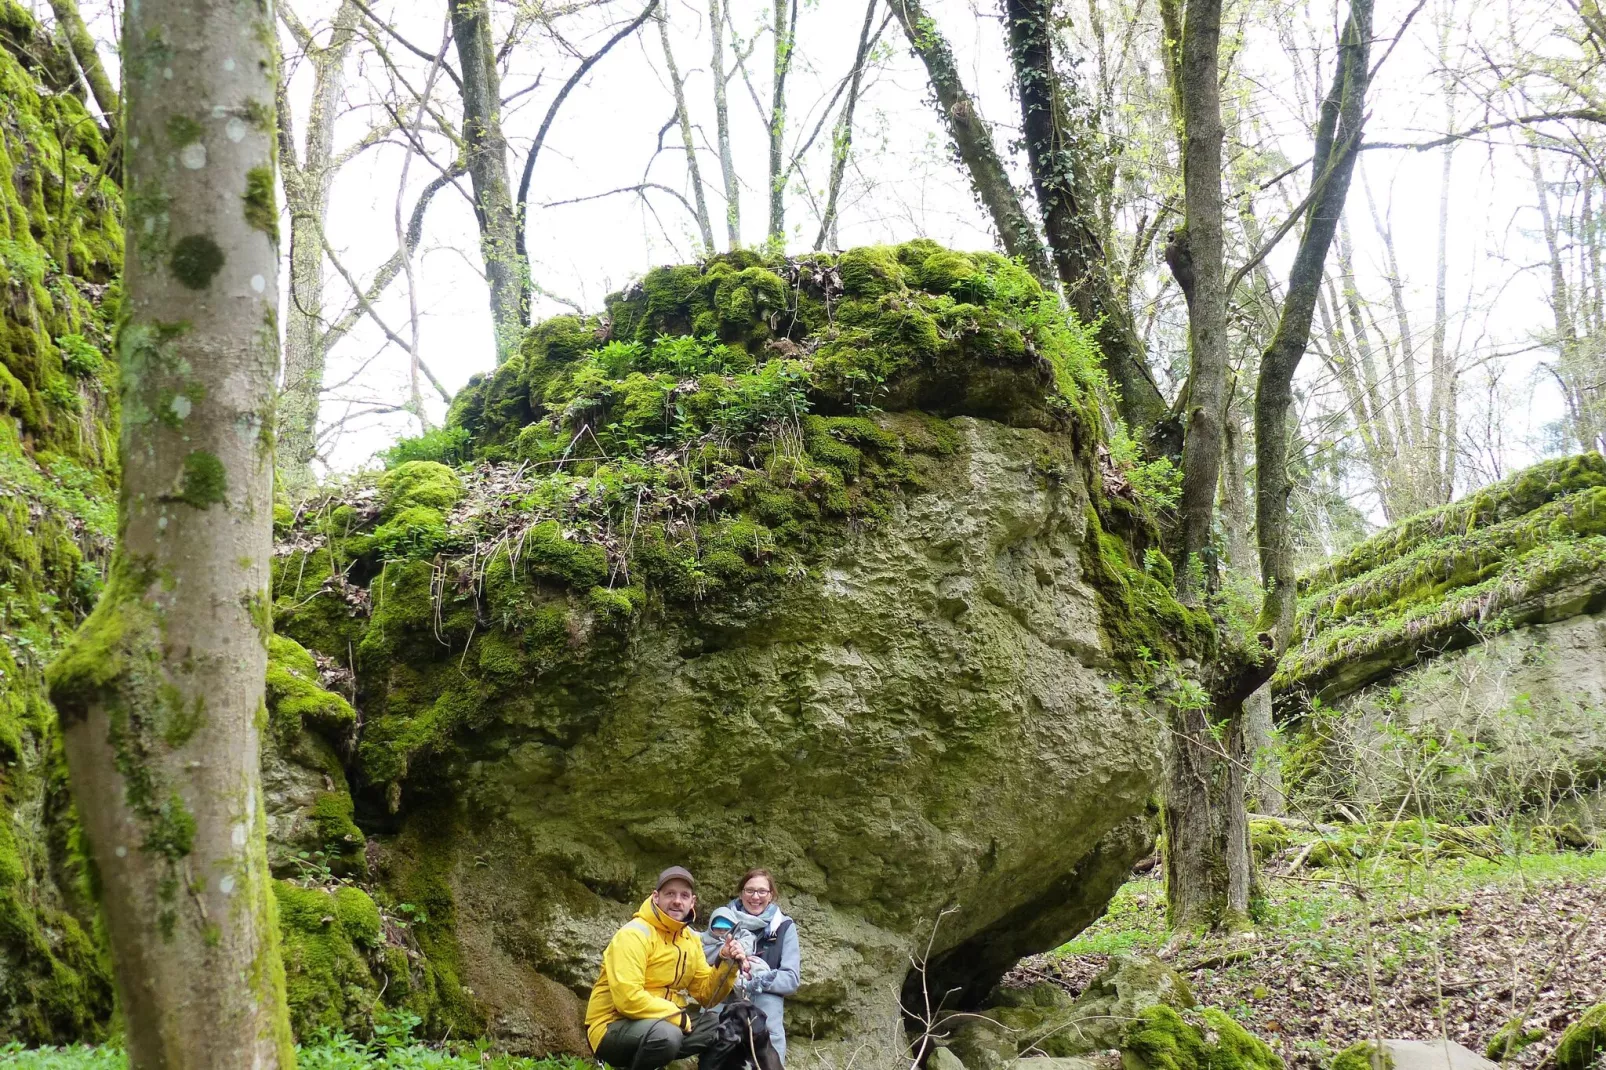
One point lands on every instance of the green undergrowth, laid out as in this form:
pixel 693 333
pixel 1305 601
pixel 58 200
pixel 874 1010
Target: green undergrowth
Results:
pixel 1532 546
pixel 335 1053
pixel 58 404
pixel 1306 912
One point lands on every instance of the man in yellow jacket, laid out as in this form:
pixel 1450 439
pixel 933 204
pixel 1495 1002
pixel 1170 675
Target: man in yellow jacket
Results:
pixel 636 1018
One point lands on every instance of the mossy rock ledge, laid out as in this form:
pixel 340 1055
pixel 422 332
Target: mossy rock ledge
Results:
pixel 1483 620
pixel 688 597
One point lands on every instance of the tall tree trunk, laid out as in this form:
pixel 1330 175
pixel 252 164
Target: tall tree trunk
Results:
pixel 785 30
pixel 88 57
pixel 308 174
pixel 1059 143
pixel 161 691
pixel 1441 390
pixel 842 136
pixel 505 272
pixel 1338 141
pixel 705 225
pixel 973 141
pixel 1265 773
pixel 1203 282
pixel 722 126
pixel 1208 873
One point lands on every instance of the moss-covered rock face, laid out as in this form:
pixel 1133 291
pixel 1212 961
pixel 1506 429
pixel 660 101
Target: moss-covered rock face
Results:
pixel 793 564
pixel 1530 548
pixel 1475 630
pixel 57 407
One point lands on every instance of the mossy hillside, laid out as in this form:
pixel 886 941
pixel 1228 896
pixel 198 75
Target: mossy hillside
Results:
pixel 1530 547
pixel 57 430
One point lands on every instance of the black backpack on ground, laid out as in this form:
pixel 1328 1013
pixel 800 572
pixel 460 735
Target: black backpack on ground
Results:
pixel 741 1040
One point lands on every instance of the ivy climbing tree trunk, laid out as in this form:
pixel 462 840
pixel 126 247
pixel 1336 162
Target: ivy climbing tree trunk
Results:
pixel 973 141
pixel 1056 128
pixel 160 693
pixel 1338 145
pixel 1209 879
pixel 486 152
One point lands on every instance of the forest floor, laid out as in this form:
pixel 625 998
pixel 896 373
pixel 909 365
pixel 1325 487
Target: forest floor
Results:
pixel 338 1053
pixel 1457 949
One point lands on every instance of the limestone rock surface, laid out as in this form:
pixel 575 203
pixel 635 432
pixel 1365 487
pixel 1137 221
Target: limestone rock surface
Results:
pixel 927 724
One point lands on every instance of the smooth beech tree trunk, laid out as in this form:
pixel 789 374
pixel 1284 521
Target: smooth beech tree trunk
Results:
pixel 160 693
pixel 486 155
pixel 785 30
pixel 722 126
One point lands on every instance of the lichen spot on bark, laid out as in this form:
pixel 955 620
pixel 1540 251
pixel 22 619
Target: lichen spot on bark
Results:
pixel 196 260
pixel 204 482
pixel 260 211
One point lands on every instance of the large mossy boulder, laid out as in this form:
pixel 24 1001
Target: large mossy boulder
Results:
pixel 808 564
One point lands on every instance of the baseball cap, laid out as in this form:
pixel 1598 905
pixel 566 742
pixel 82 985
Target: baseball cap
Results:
pixel 675 873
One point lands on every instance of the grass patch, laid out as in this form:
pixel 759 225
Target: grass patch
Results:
pixel 336 1053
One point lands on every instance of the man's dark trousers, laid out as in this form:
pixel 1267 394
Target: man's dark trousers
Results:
pixel 650 1043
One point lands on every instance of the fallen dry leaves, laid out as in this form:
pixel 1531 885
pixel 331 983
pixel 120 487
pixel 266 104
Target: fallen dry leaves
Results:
pixel 1537 952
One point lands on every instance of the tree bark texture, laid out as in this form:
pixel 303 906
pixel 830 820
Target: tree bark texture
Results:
pixel 722 126
pixel 486 152
pixel 308 173
pixel 785 30
pixel 1060 143
pixel 88 57
pixel 1199 94
pixel 1209 878
pixel 160 693
pixel 1338 142
pixel 973 142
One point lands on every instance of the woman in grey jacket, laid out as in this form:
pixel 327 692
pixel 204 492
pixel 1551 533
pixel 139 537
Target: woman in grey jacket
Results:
pixel 770 940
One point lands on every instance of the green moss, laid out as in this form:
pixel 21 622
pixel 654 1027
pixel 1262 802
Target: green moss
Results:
pixel 870 272
pixel 1164 1039
pixel 183 130
pixel 1583 1045
pixel 1363 1055
pixel 260 210
pixel 204 482
pixel 329 983
pixel 420 483
pixel 195 261
pixel 295 696
pixel 1507 1041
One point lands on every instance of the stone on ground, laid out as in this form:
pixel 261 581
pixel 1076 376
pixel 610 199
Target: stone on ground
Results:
pixel 1434 1055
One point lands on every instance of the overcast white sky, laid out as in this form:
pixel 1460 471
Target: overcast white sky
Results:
pixel 902 183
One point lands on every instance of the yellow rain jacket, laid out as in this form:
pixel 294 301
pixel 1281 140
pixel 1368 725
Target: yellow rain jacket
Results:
pixel 649 963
